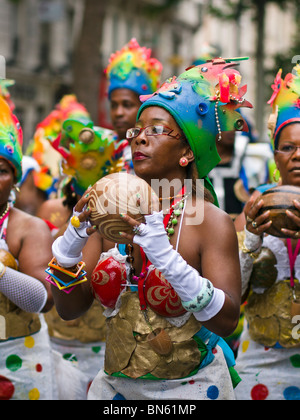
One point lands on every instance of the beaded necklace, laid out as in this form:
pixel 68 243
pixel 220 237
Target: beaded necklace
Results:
pixel 170 221
pixel 3 217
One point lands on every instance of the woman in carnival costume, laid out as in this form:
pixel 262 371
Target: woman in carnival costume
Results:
pixel 88 153
pixel 174 139
pixel 131 72
pixel 26 366
pixel 269 353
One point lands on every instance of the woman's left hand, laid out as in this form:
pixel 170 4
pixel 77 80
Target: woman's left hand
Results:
pixel 293 233
pixel 256 223
pixel 135 227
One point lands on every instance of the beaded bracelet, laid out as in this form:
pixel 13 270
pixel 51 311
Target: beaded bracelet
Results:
pixel 202 299
pixel 50 273
pixel 77 277
pixel 60 287
pixel 53 264
pixel 49 280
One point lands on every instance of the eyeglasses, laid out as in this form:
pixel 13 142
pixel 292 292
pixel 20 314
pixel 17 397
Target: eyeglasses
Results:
pixel 287 149
pixel 151 130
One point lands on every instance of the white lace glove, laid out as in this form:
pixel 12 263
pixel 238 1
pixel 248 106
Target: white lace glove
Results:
pixel 67 249
pixel 28 293
pixel 252 245
pixel 196 293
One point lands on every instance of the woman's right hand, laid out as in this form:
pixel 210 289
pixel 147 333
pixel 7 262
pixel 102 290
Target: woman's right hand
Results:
pixel 256 223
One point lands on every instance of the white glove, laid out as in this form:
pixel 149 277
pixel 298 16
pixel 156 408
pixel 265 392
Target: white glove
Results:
pixel 67 249
pixel 28 293
pixel 194 291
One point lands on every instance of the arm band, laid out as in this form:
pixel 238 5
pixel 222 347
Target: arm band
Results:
pixel 26 292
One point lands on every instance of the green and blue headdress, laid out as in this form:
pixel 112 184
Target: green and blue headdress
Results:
pixel 203 101
pixel 133 68
pixel 11 138
pixel 89 152
pixel 285 102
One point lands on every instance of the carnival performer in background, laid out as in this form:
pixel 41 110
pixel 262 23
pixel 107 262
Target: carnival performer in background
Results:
pixel 26 367
pixel 195 264
pixel 88 153
pixel 244 166
pixel 269 352
pixel 131 72
pixel 35 187
pixel 5 84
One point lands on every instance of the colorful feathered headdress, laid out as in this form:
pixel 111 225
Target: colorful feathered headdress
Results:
pixel 203 101
pixel 285 102
pixel 5 84
pixel 133 68
pixel 88 152
pixel 46 132
pixel 11 138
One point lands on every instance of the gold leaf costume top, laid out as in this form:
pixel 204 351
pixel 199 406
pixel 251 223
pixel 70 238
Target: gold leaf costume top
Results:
pixel 130 352
pixel 269 306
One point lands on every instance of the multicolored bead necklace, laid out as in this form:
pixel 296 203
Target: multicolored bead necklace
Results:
pixel 170 221
pixel 4 214
pixel 175 212
pixel 3 217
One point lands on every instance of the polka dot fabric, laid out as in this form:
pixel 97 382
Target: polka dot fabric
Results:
pixel 76 365
pixel 212 383
pixel 26 368
pixel 267 373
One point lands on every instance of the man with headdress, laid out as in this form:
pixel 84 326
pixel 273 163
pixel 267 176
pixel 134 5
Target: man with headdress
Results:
pixel 131 72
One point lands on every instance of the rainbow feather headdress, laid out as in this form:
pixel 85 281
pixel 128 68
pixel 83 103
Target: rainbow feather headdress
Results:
pixel 133 68
pixel 203 101
pixel 46 132
pixel 88 152
pixel 5 84
pixel 11 138
pixel 285 102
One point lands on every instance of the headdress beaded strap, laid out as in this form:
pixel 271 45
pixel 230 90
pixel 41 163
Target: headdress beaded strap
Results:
pixel 292 258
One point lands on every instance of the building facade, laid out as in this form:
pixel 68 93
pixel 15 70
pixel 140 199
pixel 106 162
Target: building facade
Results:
pixel 37 39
